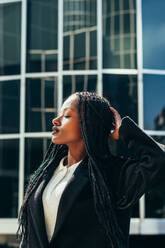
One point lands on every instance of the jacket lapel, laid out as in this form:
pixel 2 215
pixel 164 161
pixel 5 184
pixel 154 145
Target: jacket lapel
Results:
pixel 70 193
pixel 37 215
pixel 36 206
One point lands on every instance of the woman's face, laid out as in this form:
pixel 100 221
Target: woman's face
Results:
pixel 66 127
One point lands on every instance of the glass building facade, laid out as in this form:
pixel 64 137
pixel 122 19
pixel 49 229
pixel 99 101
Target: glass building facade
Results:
pixel 50 49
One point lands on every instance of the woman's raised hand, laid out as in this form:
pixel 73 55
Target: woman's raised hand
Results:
pixel 115 133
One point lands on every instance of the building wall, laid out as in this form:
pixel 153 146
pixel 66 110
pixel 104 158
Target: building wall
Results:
pixel 50 49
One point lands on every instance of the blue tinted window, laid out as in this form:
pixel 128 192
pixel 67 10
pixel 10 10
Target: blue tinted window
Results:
pixel 119 34
pixel 41 104
pixel 153 34
pixel 9 106
pixel 10 38
pixel 35 150
pixel 78 83
pixel 154 102
pixel 42 35
pixel 9 155
pixel 121 91
pixel 80 33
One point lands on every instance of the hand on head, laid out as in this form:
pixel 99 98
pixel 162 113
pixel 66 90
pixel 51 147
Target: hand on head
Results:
pixel 114 134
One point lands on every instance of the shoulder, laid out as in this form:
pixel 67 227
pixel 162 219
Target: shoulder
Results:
pixel 113 164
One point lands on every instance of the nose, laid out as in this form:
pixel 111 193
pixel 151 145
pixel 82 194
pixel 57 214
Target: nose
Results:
pixel 56 121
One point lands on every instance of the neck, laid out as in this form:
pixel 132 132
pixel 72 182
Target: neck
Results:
pixel 75 153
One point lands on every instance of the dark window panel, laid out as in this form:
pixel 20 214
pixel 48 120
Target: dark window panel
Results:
pixel 135 211
pixel 74 83
pixel 67 86
pixel 126 4
pixel 144 241
pixel 93 50
pixel 50 93
pixel 66 52
pixel 117 44
pixel 42 36
pixel 10 38
pixel 33 120
pixel 154 102
pixel 41 104
pixel 9 159
pixel 51 62
pixel 127 43
pixel 80 41
pixel 9 106
pixel 153 34
pixel 108 25
pixel 127 23
pixel 121 91
pixel 49 117
pixel 127 61
pixel 119 35
pixel 116 24
pixel 155 200
pixel 117 5
pixel 79 51
pixel 108 6
pixel 35 149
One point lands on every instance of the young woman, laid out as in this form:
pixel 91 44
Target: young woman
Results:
pixel 81 195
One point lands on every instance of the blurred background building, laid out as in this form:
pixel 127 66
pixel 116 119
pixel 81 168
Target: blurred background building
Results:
pixel 52 48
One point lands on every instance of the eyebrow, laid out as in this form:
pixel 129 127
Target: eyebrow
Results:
pixel 66 109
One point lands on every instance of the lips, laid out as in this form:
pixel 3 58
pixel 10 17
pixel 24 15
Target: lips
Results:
pixel 55 130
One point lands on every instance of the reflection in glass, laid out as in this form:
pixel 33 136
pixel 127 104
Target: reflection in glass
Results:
pixel 35 150
pixel 74 83
pixel 155 200
pixel 154 102
pixel 9 150
pixel 9 106
pixel 41 104
pixel 153 34
pixel 80 41
pixel 10 38
pixel 121 91
pixel 42 35
pixel 119 34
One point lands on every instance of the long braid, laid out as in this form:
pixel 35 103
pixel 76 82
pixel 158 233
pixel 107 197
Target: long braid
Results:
pixel 54 151
pixel 96 122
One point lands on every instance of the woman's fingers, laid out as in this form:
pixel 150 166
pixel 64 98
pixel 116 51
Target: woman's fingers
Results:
pixel 115 133
pixel 116 117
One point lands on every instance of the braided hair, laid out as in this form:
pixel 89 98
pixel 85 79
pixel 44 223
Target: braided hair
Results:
pixel 96 122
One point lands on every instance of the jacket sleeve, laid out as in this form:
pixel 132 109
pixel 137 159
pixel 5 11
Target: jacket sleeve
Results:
pixel 144 171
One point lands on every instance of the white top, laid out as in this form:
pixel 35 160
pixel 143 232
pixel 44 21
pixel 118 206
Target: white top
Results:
pixel 52 194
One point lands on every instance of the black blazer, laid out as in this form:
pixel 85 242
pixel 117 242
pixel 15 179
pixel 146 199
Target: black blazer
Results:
pixel 77 225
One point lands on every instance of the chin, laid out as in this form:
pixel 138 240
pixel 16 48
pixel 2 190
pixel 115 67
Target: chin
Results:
pixel 57 141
